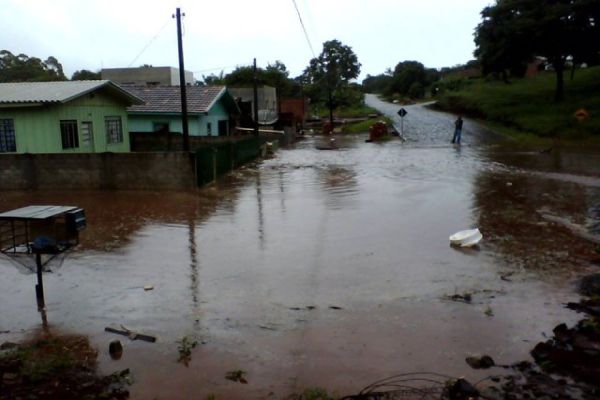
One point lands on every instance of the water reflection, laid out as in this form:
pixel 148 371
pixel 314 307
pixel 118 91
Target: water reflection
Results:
pixel 115 217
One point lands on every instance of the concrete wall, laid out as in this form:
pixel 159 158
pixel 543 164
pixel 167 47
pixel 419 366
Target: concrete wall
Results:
pixel 155 171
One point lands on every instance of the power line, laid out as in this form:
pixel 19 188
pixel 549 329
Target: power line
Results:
pixel 214 69
pixel 149 42
pixel 304 29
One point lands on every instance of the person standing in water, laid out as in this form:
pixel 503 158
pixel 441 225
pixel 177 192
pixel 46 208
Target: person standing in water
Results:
pixel 458 124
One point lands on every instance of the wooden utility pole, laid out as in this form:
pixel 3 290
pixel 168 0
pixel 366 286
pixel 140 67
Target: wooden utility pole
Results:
pixel 330 108
pixel 255 86
pixel 184 114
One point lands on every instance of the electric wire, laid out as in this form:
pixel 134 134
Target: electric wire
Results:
pixel 304 29
pixel 149 43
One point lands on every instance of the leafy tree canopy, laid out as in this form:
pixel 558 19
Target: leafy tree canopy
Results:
pixel 336 65
pixel 22 68
pixel 513 31
pixel 275 75
pixel 86 75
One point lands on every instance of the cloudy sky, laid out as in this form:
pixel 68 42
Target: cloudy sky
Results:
pixel 221 34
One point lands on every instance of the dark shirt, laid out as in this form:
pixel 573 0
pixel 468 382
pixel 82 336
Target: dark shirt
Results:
pixel 459 123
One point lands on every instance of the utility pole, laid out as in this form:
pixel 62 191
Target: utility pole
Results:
pixel 255 86
pixel 330 107
pixel 184 113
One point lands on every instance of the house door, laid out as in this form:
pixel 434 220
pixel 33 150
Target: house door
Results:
pixel 87 136
pixel 223 128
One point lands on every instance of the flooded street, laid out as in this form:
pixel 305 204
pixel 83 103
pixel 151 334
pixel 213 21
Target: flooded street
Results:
pixel 324 268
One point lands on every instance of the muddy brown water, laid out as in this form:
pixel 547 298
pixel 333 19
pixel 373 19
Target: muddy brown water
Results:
pixel 323 268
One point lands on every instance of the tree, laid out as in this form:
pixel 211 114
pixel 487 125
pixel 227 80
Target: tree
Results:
pixel 213 80
pixel 332 71
pixel 275 75
pixel 86 75
pixel 22 68
pixel 513 31
pixel 377 84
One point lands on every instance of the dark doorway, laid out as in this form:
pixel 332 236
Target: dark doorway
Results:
pixel 223 128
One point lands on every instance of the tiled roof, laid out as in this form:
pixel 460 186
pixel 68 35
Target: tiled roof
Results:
pixel 55 92
pixel 167 99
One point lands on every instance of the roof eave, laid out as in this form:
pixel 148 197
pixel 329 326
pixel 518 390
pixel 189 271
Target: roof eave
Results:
pixel 134 100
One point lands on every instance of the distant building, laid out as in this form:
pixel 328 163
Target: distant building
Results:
pixel 267 104
pixel 151 76
pixel 293 110
pixel 64 117
pixel 211 110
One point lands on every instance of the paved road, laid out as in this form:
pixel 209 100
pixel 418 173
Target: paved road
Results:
pixel 427 127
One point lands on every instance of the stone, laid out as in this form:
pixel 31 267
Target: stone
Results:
pixel 483 362
pixel 115 348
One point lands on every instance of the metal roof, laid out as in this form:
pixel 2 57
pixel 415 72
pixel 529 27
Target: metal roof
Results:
pixel 56 92
pixel 167 99
pixel 36 212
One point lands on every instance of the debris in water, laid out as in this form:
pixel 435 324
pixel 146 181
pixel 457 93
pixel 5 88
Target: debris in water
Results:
pixel 186 345
pixel 236 376
pixel 483 362
pixel 148 287
pixel 267 328
pixel 115 349
pixel 336 308
pixel 461 389
pixel 489 312
pixel 466 238
pixel 130 334
pixel 465 298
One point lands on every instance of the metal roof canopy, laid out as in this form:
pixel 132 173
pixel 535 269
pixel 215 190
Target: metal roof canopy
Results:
pixel 36 212
pixel 17 225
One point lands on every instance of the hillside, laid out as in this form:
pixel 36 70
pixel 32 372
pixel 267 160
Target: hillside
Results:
pixel 527 105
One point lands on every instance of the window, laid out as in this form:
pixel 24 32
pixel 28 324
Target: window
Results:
pixel 68 134
pixel 209 128
pixel 87 134
pixel 7 136
pixel 114 130
pixel 160 127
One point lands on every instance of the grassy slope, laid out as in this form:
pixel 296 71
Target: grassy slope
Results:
pixel 528 105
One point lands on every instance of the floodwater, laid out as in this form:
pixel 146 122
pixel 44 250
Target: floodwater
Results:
pixel 324 268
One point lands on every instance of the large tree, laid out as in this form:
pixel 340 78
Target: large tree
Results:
pixel 330 73
pixel 513 31
pixel 22 68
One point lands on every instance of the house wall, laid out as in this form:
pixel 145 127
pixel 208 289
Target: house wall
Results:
pixel 197 124
pixel 37 129
pixel 217 113
pixel 145 123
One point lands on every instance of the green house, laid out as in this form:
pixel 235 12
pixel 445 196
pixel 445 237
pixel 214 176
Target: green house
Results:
pixel 64 117
pixel 211 110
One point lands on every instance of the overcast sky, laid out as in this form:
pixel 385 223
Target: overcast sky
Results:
pixel 221 34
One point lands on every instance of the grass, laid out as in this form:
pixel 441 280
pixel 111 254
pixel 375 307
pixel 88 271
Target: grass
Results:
pixel 363 126
pixel 57 367
pixel 527 105
pixel 355 111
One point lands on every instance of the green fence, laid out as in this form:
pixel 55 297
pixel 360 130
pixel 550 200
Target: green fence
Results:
pixel 219 158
